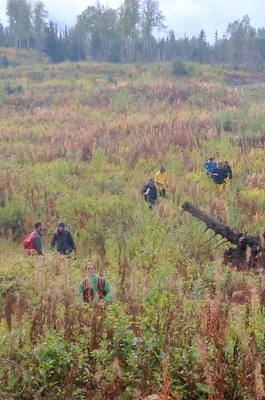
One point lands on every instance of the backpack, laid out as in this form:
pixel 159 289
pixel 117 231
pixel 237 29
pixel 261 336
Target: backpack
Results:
pixel 29 244
pixel 144 189
pixel 88 294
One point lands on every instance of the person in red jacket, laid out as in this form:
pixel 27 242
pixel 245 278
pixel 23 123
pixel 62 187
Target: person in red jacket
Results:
pixel 33 243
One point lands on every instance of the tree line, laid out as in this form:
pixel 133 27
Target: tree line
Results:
pixel 134 32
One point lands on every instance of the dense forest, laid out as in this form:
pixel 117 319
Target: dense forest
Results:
pixel 134 32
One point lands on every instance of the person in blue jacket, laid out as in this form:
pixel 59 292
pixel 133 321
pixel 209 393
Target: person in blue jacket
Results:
pixel 210 165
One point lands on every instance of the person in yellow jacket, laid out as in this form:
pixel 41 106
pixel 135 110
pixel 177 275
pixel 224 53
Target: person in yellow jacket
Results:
pixel 161 181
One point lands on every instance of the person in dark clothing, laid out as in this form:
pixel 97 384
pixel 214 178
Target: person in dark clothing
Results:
pixel 228 169
pixel 64 239
pixel 37 240
pixel 149 192
pixel 219 174
pixel 33 243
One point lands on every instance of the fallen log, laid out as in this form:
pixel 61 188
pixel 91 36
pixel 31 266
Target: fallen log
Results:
pixel 249 251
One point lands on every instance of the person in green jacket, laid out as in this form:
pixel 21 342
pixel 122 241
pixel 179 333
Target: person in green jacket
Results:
pixel 93 287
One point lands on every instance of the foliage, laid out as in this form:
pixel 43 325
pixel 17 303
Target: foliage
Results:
pixel 11 90
pixel 125 34
pixel 77 144
pixel 179 67
pixel 4 62
pixel 228 124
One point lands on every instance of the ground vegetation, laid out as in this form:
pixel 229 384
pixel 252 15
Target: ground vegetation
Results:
pixel 78 141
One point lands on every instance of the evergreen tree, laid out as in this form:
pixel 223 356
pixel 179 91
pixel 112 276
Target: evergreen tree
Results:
pixel 260 42
pixel 171 48
pixel 216 39
pixel 51 41
pixel 39 16
pixel 2 35
pixel 203 48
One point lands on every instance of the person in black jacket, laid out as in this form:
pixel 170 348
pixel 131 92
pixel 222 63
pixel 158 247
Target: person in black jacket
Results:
pixel 228 169
pixel 149 192
pixel 64 239
pixel 219 175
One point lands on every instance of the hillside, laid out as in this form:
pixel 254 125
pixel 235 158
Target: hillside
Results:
pixel 77 143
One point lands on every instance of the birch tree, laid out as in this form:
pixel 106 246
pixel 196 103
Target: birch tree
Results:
pixel 19 15
pixel 128 27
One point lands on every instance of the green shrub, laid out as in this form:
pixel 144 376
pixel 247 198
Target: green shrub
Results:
pixel 5 62
pixel 193 69
pixel 13 89
pixel 11 221
pixel 179 67
pixel 228 123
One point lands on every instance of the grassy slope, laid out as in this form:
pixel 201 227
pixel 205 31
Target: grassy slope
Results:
pixel 132 119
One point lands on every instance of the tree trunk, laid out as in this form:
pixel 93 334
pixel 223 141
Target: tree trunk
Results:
pixel 249 251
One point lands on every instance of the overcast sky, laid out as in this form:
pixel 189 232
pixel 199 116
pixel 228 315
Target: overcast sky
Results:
pixel 184 17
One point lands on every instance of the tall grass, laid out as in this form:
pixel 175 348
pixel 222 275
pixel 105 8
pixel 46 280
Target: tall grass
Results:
pixel 77 144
